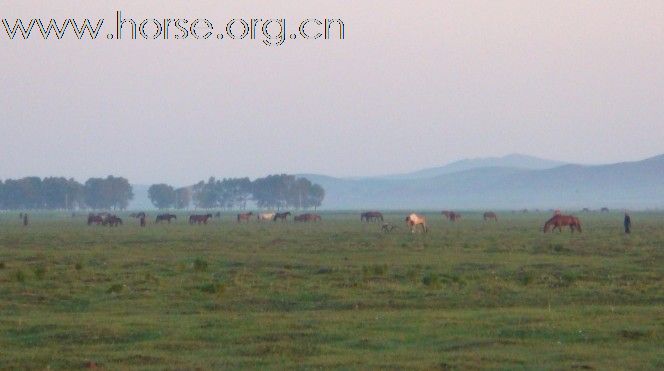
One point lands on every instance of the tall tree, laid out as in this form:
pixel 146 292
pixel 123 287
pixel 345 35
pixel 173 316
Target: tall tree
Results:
pixel 61 193
pixel 183 197
pixel 206 195
pixel 316 196
pixel 162 195
pixel 111 192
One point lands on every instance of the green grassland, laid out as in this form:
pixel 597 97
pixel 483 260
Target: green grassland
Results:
pixel 337 294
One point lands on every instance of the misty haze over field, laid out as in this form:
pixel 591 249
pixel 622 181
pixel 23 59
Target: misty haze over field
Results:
pixel 509 182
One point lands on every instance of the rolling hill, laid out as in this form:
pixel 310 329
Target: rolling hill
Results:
pixel 510 182
pixel 637 184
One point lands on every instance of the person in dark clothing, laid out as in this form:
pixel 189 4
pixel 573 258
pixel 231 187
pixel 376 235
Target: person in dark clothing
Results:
pixel 628 224
pixel 25 220
pixel 143 221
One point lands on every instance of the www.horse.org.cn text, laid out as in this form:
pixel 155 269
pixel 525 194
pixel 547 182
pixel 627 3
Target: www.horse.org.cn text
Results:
pixel 270 31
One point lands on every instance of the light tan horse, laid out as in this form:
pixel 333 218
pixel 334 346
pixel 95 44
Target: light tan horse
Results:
pixel 266 216
pixel 413 220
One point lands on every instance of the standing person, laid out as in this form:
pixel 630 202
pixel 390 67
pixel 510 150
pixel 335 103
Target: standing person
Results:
pixel 142 220
pixel 627 223
pixel 25 219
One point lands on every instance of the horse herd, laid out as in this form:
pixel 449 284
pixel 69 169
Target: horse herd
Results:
pixel 108 219
pixel 414 221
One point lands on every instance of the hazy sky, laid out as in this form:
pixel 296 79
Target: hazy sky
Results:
pixel 415 84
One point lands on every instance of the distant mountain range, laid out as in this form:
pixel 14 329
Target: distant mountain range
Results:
pixel 514 161
pixel 510 182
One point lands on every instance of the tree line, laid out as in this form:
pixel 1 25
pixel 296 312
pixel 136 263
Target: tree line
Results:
pixel 59 193
pixel 273 192
pixel 114 193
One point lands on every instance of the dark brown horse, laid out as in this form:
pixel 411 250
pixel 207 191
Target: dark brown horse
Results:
pixel 560 221
pixel 489 215
pixel 113 221
pixel 199 219
pixel 308 218
pixel 454 216
pixel 244 217
pixel 95 219
pixel 371 216
pixel 281 216
pixel 165 217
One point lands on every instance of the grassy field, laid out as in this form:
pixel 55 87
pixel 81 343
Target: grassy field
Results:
pixel 338 294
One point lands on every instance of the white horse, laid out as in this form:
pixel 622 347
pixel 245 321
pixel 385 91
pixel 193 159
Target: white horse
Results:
pixel 413 220
pixel 266 216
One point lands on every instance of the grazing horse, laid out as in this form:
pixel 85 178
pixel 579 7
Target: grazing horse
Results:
pixel 605 210
pixel 199 219
pixel 308 218
pixel 490 215
pixel 165 217
pixel 113 221
pixel 281 216
pixel 95 219
pixel 454 216
pixel 371 216
pixel 451 215
pixel 244 217
pixel 265 216
pixel 559 221
pixel 413 220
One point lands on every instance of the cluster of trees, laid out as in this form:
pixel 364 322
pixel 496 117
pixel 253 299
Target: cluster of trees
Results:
pixel 65 194
pixel 58 193
pixel 274 191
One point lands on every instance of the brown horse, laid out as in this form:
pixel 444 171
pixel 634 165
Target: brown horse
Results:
pixel 308 218
pixel 165 217
pixel 95 219
pixel 281 216
pixel 199 219
pixel 413 220
pixel 244 217
pixel 560 221
pixel 451 215
pixel 489 215
pixel 371 216
pixel 113 221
